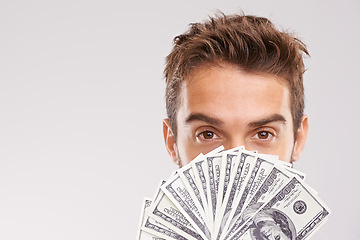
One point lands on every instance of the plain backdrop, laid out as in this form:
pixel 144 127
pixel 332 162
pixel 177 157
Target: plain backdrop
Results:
pixel 82 103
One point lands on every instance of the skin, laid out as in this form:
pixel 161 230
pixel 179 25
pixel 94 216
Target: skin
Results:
pixel 223 105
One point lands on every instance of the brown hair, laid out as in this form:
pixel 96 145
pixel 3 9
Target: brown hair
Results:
pixel 251 43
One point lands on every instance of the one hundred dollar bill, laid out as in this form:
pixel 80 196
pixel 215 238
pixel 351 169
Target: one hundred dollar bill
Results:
pixel 143 235
pixel 259 172
pixel 275 180
pixel 212 172
pixel 157 229
pixel 243 165
pixel 186 173
pixel 176 191
pixel 293 213
pixel 228 162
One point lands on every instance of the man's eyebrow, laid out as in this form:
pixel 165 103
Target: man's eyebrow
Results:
pixel 204 118
pixel 272 118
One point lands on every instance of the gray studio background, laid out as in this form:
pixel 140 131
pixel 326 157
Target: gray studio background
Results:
pixel 81 106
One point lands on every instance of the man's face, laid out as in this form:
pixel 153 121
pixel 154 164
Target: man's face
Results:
pixel 222 105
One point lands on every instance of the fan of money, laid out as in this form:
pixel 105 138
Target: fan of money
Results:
pixel 233 194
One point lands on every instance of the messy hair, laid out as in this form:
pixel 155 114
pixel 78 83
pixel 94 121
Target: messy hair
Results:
pixel 251 43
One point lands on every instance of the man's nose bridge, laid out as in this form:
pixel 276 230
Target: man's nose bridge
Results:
pixel 234 142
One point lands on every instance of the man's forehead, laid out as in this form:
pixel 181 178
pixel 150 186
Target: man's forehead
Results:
pixel 229 93
pixel 227 79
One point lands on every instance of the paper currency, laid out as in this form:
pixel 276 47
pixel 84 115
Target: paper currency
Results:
pixel 143 235
pixel 164 211
pixel 293 208
pixel 179 195
pixel 233 194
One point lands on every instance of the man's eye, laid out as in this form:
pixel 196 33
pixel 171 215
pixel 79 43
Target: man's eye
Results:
pixel 263 135
pixel 208 135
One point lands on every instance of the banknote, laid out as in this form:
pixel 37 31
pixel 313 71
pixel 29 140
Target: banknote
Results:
pixel 213 165
pixel 164 211
pixel 228 161
pixel 156 229
pixel 187 176
pixel 233 194
pixel 263 166
pixel 174 188
pixel 143 235
pixel 242 166
pixel 152 229
pixel 260 170
pixel 201 177
pixel 294 208
pixel 276 179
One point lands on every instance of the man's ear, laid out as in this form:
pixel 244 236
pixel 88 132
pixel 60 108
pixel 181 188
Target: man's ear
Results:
pixel 300 138
pixel 169 139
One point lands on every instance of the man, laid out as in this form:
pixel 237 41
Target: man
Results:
pixel 235 80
